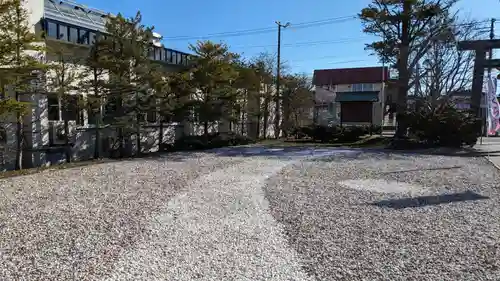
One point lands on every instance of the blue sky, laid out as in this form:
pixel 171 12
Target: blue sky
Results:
pixel 327 46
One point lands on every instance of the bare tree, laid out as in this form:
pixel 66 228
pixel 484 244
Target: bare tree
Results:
pixel 445 69
pixel 406 29
pixel 297 101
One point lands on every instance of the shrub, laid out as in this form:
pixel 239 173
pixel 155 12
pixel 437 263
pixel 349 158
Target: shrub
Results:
pixel 445 126
pixel 302 132
pixel 213 140
pixel 376 129
pixel 352 133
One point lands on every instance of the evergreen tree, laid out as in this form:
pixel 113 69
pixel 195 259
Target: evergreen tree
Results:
pixel 21 60
pixel 128 64
pixel 63 82
pixel 93 82
pixel 406 29
pixel 213 74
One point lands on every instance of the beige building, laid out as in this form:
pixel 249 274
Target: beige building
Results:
pixel 351 96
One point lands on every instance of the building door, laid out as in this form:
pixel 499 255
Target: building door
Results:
pixel 356 112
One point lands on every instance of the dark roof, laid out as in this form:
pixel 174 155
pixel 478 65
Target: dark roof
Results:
pixel 350 75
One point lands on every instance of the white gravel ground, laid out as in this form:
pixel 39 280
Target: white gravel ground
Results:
pixel 204 217
pixel 73 224
pixel 220 229
pixel 341 235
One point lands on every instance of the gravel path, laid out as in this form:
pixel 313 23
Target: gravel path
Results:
pixel 342 216
pixel 219 230
pixel 73 224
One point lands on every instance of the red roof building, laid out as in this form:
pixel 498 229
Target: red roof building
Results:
pixel 358 75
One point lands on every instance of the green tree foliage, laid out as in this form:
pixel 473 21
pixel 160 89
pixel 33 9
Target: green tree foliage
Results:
pixel 94 81
pixel 213 74
pixel 405 28
pixel 128 44
pixel 21 61
pixel 63 79
pixel 248 83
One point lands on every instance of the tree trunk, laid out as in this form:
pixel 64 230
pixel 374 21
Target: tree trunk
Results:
pixel 97 144
pixel 67 146
pixel 265 122
pixel 138 135
pixel 160 137
pixel 286 114
pixel 404 76
pixel 19 136
pixel 97 149
pixel 205 129
pixel 121 142
pixel 243 111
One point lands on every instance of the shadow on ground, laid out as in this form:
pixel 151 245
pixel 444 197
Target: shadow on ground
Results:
pixel 284 152
pixel 423 201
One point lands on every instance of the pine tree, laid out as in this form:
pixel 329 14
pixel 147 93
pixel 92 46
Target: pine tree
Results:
pixel 213 74
pixel 127 62
pixel 93 82
pixel 406 28
pixel 20 58
pixel 63 81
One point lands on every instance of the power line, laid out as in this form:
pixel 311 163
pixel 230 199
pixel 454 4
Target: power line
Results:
pixel 306 43
pixel 256 31
pixel 339 62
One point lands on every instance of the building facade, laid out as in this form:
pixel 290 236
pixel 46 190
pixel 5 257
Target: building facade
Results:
pixel 351 96
pixel 74 27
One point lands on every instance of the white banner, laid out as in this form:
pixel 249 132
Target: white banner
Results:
pixel 493 107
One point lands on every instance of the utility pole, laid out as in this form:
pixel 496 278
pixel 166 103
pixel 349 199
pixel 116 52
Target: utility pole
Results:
pixel 277 114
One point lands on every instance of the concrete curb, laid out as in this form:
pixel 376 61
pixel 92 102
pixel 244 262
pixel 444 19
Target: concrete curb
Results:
pixel 485 157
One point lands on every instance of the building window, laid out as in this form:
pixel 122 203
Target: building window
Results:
pixel 367 87
pixel 52 29
pixel 169 56
pixel 63 33
pixel 151 53
pixel 84 37
pixel 73 35
pixel 53 104
pixel 92 38
pixel 179 58
pixel 72 109
pixel 158 53
pixel 162 54
pixel 174 57
pixel 357 87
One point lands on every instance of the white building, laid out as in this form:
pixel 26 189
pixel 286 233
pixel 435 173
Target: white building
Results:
pixel 75 27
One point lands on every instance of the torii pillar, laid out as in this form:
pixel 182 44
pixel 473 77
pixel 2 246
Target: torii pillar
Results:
pixel 481 47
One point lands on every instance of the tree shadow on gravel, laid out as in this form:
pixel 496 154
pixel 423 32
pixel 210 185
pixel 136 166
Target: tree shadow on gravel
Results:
pixel 284 152
pixel 419 170
pixel 423 201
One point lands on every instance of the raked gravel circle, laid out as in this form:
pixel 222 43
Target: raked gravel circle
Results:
pixel 342 215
